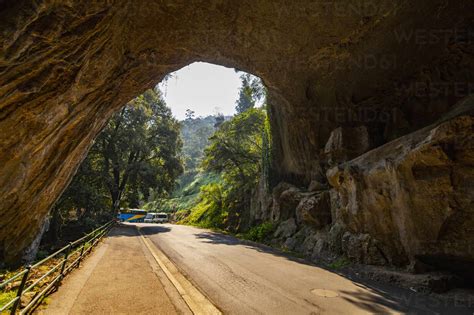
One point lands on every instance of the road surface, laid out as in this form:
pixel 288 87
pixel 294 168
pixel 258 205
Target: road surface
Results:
pixel 247 279
pixel 172 269
pixel 119 277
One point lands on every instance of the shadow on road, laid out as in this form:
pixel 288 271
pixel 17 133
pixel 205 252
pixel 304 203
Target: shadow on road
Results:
pixel 154 229
pixel 129 229
pixel 371 297
pixel 380 295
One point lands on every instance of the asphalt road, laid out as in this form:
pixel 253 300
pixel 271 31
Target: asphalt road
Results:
pixel 246 279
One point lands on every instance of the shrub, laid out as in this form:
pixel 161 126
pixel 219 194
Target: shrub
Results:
pixel 210 212
pixel 340 263
pixel 6 297
pixel 260 233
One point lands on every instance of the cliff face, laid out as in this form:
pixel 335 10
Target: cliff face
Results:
pixel 408 203
pixel 413 196
pixel 66 67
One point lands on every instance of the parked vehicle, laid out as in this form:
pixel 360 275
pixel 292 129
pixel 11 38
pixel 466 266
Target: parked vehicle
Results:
pixel 132 215
pixel 156 217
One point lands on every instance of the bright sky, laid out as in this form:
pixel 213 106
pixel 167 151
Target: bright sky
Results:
pixel 202 87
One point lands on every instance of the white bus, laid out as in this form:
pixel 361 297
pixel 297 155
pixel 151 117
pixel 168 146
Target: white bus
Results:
pixel 152 217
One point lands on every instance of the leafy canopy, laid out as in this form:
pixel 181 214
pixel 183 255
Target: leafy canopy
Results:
pixel 137 154
pixel 235 149
pixel 251 91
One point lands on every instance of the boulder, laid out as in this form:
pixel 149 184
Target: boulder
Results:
pixel 290 243
pixel 314 210
pixel 335 237
pixel 300 236
pixel 286 198
pixel 30 252
pixel 260 204
pixel 362 248
pixel 321 250
pixel 285 229
pixel 307 247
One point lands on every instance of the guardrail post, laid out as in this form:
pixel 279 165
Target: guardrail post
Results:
pixel 81 255
pixel 20 289
pixel 63 267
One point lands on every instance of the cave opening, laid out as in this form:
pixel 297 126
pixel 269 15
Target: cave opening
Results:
pixel 66 68
pixel 161 151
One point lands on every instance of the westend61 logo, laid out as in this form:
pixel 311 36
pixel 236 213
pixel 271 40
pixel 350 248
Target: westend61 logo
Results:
pixel 421 301
pixel 363 62
pixel 362 8
pixel 362 115
pixel 437 89
pixel 435 36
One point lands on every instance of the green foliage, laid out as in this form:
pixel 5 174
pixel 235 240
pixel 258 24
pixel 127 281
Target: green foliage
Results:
pixel 235 153
pixel 41 254
pixel 210 212
pixel 181 215
pixel 259 233
pixel 339 263
pixel 239 151
pixel 6 297
pixel 235 149
pixel 195 133
pixel 142 148
pixel 135 157
pixel 267 157
pixel 251 91
pixel 199 180
pixel 186 195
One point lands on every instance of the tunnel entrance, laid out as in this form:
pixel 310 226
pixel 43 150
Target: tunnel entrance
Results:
pixel 185 145
pixel 364 113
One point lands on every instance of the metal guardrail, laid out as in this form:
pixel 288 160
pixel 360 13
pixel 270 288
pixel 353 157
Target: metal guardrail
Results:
pixel 72 257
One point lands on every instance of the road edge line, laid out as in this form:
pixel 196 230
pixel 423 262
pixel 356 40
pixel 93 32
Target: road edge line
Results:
pixel 197 302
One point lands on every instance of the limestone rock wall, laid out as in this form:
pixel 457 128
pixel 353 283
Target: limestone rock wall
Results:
pixel 407 203
pixel 67 66
pixel 414 195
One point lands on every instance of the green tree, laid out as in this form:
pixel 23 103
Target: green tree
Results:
pixel 195 133
pixel 139 150
pixel 189 114
pixel 136 153
pixel 236 147
pixel 234 152
pixel 220 118
pixel 251 91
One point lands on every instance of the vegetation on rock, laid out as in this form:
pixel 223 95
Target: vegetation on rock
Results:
pixel 260 233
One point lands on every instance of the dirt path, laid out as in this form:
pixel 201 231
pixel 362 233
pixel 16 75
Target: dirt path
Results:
pixel 120 277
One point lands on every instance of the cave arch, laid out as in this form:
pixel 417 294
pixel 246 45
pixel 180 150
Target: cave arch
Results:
pixel 65 68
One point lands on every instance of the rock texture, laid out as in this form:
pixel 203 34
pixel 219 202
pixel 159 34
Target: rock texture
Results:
pixel 67 66
pixel 412 199
pixel 408 203
pixel 344 144
pixel 314 210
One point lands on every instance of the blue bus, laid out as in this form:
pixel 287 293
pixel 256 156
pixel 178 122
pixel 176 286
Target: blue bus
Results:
pixel 132 215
